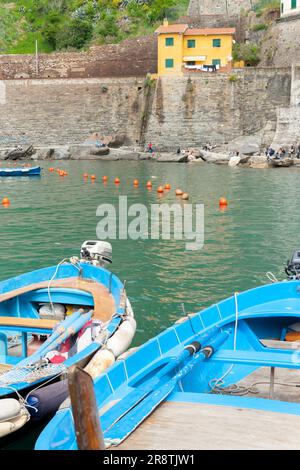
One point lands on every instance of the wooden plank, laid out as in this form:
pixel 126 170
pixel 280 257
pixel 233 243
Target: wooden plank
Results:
pixel 34 323
pixel 194 426
pixel 85 411
pixel 5 368
pixel 104 304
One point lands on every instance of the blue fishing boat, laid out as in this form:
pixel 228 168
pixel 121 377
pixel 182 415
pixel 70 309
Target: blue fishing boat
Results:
pixel 226 377
pixel 34 171
pixel 51 319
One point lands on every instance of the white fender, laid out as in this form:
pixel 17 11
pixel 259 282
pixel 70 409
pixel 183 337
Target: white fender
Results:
pixel 100 362
pixel 122 339
pixel 8 427
pixel 129 310
pixel 9 409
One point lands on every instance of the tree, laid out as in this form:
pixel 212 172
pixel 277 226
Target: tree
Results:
pixel 74 34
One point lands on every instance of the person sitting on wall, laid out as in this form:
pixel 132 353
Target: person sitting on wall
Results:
pixel 178 151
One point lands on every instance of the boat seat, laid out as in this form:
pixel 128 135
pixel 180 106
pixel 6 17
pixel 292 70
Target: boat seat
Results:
pixel 5 368
pixel 284 359
pixel 104 304
pixel 32 323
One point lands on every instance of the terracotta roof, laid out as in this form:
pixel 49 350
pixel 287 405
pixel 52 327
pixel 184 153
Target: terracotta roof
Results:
pixel 172 28
pixel 209 31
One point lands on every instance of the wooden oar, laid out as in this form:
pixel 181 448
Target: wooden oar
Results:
pixel 119 410
pixel 72 329
pixel 57 333
pixel 127 425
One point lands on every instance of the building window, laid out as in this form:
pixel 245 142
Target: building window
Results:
pixel 169 42
pixel 282 7
pixel 216 62
pixel 293 4
pixel 169 63
pixel 191 62
pixel 216 42
pixel 191 44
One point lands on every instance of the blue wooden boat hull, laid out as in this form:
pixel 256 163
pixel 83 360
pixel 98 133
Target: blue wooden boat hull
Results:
pixel 36 171
pixel 24 305
pixel 248 318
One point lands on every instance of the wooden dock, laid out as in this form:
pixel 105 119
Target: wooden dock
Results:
pixel 196 426
pixel 190 426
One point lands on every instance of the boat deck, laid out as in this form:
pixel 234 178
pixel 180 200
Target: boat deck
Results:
pixel 191 425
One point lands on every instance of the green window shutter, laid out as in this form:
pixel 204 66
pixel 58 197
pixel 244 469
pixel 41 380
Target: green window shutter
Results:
pixel 216 62
pixel 282 8
pixel 293 4
pixel 216 42
pixel 169 63
pixel 169 42
pixel 191 44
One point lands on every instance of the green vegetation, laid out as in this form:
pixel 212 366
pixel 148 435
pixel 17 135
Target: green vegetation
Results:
pixel 262 6
pixel 259 27
pixel 248 52
pixel 233 78
pixel 77 24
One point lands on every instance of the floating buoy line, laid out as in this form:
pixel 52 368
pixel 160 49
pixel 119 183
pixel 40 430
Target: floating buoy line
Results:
pixel 161 189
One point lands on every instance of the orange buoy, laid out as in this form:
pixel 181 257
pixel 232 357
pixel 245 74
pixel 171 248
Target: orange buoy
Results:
pixel 185 196
pixel 93 177
pixel 105 179
pixel 136 183
pixel 5 201
pixel 149 184
pixel 117 181
pixel 51 169
pixel 85 175
pixel 223 202
pixel 168 187
pixel 179 192
pixel 61 173
pixel 160 190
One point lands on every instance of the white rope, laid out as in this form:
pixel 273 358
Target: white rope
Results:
pixel 217 383
pixel 250 389
pixel 75 262
pixel 271 276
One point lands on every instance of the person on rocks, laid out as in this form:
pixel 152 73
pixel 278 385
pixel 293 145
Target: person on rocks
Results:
pixel 150 147
pixel 292 151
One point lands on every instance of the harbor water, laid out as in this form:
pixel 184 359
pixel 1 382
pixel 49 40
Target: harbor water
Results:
pixel 50 216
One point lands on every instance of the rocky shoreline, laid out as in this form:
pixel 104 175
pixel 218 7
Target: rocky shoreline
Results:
pixel 193 157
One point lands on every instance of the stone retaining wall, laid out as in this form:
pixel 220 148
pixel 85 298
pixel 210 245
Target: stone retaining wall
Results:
pixel 190 111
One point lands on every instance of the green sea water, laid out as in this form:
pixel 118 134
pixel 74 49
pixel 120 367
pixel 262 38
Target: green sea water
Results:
pixel 50 217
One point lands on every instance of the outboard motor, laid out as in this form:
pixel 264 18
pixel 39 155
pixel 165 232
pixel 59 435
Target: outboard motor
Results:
pixel 293 266
pixel 97 253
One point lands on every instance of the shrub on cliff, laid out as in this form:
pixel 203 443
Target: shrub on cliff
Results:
pixel 248 52
pixel 75 34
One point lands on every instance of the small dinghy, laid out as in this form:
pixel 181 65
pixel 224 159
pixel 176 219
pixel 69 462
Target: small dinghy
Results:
pixel 34 171
pixel 51 319
pixel 227 377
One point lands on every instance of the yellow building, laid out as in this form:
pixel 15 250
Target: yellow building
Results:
pixel 181 49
